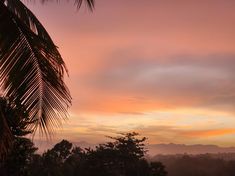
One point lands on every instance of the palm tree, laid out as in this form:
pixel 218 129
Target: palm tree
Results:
pixel 31 68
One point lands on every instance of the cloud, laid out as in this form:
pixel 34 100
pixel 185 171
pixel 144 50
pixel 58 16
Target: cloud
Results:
pixel 209 133
pixel 180 59
pixel 183 134
pixel 128 60
pixel 182 81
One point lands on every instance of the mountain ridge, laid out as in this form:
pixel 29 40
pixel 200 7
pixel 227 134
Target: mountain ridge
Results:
pixel 172 148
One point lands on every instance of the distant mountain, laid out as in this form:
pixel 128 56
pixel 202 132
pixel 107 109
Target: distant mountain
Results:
pixel 189 149
pixel 153 149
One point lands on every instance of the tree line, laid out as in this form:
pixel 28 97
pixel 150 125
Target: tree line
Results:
pixel 123 156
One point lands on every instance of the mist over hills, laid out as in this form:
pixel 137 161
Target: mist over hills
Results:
pixel 168 149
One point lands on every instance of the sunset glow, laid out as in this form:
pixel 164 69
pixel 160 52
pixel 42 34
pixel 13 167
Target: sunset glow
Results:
pixel 165 69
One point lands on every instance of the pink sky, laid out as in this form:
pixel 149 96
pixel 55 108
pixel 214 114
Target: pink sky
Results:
pixel 159 67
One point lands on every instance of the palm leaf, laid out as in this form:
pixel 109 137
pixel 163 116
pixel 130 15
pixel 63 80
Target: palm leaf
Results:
pixel 26 16
pixel 31 69
pixel 90 3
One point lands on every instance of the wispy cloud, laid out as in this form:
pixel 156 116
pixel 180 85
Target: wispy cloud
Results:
pixel 132 84
pixel 209 133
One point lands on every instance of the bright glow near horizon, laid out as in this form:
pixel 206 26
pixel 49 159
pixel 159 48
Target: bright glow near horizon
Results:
pixel 163 68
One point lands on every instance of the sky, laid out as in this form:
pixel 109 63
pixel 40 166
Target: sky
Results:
pixel 163 68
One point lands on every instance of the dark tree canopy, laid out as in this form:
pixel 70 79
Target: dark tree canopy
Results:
pixel 123 156
pixel 13 123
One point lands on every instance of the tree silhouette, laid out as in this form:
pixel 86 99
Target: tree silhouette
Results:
pixel 122 157
pixel 105 159
pixel 18 161
pixel 31 68
pixel 19 154
pixel 53 160
pixel 13 123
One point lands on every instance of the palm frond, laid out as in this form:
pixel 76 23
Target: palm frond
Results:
pixel 89 3
pixel 30 20
pixel 25 15
pixel 31 70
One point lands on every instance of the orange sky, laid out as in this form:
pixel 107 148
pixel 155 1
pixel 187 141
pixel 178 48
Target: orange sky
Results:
pixel 163 68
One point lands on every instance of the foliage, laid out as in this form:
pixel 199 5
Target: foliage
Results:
pixel 18 157
pixel 13 123
pixel 108 160
pixel 122 157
